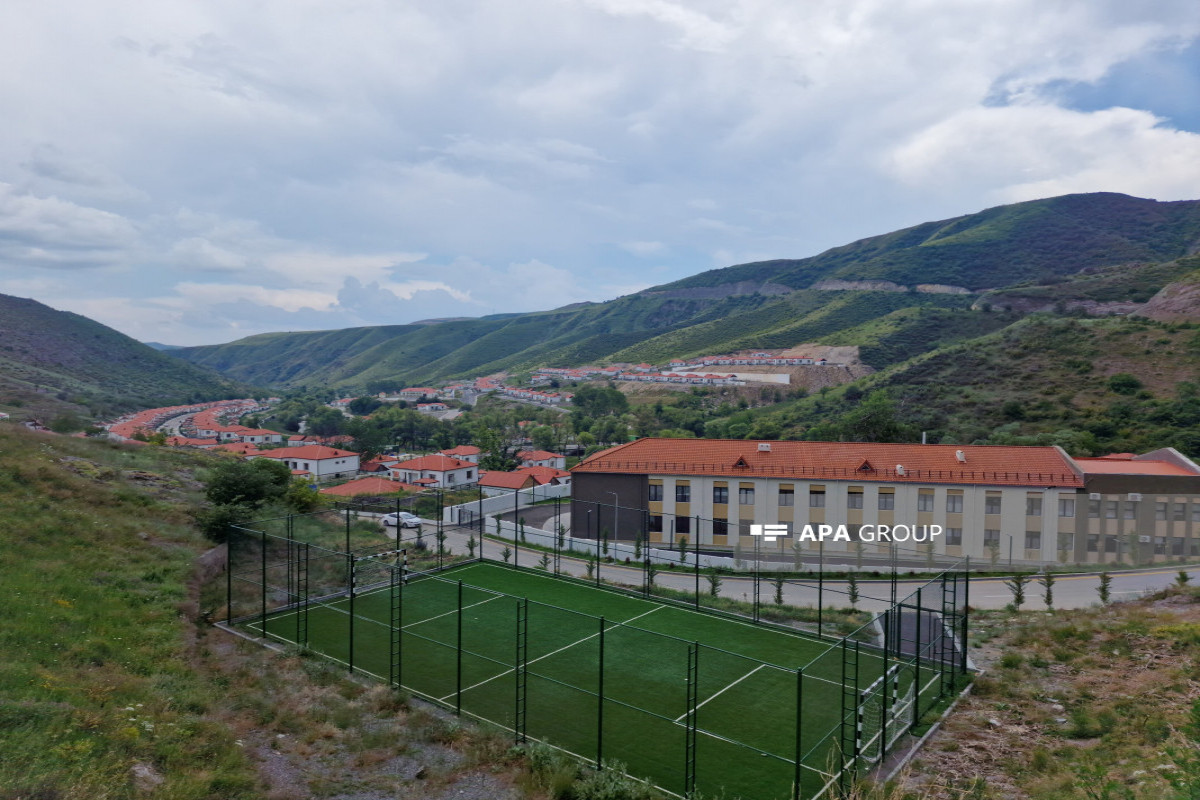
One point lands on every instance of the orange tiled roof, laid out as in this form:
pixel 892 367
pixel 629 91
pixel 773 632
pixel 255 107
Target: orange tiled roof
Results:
pixel 544 475
pixel 1121 466
pixel 314 452
pixel 462 450
pixel 862 461
pixel 536 455
pixel 507 480
pixel 433 463
pixel 371 485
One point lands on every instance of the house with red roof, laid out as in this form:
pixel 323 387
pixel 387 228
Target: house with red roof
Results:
pixel 320 461
pixel 541 458
pixel 547 476
pixel 464 452
pixel 372 485
pixel 436 471
pixel 505 481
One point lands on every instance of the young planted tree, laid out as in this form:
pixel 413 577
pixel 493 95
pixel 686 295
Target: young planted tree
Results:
pixel 471 545
pixel 994 553
pixel 544 562
pixel 1046 579
pixel 683 543
pixel 589 566
pixel 521 530
pixel 562 535
pixel 651 574
pixel 796 556
pixel 1182 579
pixel 506 553
pixel 1016 584
pixel 714 582
pixel 852 589
pixel 1104 588
pixel 637 547
pixel 777 582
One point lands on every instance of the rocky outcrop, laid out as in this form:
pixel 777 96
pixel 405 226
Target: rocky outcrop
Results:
pixel 724 290
pixel 1175 302
pixel 940 288
pixel 835 285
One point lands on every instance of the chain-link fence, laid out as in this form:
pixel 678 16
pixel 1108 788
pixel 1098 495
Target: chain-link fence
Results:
pixel 666 671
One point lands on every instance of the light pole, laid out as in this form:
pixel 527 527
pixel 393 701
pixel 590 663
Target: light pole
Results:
pixel 616 516
pixel 1010 548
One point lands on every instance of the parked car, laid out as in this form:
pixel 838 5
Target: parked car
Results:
pixel 402 519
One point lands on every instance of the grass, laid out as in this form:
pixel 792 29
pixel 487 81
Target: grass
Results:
pixel 746 689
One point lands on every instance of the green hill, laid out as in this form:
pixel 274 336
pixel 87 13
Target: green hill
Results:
pixel 1096 248
pixel 52 362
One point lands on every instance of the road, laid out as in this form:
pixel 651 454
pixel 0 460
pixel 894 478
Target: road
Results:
pixel 1070 591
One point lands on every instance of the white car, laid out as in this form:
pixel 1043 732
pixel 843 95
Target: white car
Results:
pixel 401 519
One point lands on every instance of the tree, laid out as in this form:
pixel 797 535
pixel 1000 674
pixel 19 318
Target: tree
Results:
pixel 247 483
pixel 651 573
pixel 637 547
pixel 683 543
pixel 852 589
pixel 1182 579
pixel 714 581
pixel 1124 383
pixel 777 582
pixel 875 421
pixel 544 563
pixel 471 545
pixel 362 406
pixel 506 553
pixel 1104 588
pixel 1046 579
pixel 302 497
pixel 325 421
pixel 1016 585
pixel 797 552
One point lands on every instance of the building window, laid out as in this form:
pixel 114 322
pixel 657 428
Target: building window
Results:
pixel 1033 540
pixel 683 524
pixel 1110 509
pixel 683 493
pixel 1131 510
pixel 991 537
pixel 656 525
pixel 720 527
pixel 954 537
pixel 925 501
pixel 1195 512
pixel 1160 511
pixel 854 500
pixel 1110 544
pixel 1066 506
pixel 991 504
pixel 787 497
pixel 1033 505
pixel 887 501
pixel 1177 545
pixel 954 503
pixel 656 493
pixel 1093 542
pixel 720 495
pixel 468 474
pixel 1180 512
pixel 1066 543
pixel 746 497
pixel 816 498
pixel 1160 545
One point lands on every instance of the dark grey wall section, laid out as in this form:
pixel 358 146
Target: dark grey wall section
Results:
pixel 592 505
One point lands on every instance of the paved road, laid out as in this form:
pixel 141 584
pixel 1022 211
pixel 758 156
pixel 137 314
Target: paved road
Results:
pixel 1070 591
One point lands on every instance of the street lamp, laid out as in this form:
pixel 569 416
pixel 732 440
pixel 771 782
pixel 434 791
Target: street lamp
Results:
pixel 616 516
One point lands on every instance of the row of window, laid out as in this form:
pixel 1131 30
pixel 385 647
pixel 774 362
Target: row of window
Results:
pixel 1115 509
pixel 886 500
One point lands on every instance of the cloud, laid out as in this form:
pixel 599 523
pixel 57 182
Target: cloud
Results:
pixel 1040 151
pixel 386 161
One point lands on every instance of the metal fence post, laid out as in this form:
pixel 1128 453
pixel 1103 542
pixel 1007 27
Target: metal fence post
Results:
pixel 600 703
pixel 458 665
pixel 799 776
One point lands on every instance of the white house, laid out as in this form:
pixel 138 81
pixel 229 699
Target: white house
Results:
pixel 436 471
pixel 317 460
pixel 541 458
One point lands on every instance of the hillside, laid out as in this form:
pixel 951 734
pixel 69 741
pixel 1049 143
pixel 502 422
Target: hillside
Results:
pixel 1100 248
pixel 54 362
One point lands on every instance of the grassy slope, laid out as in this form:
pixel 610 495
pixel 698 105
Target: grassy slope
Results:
pixel 107 673
pixel 1027 242
pixel 1055 369
pixel 1078 704
pixel 80 361
pixel 997 247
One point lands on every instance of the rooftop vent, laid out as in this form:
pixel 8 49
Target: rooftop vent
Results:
pixel 961 456
pixel 899 469
pixel 764 447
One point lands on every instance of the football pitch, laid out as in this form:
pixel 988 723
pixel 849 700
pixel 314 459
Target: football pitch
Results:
pixel 683 698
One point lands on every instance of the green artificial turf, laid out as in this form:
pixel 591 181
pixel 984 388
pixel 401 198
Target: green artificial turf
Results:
pixel 747 675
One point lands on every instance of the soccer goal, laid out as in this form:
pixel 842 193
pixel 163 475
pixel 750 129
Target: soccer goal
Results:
pixel 885 712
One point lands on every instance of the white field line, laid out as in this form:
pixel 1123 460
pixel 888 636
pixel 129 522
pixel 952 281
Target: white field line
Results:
pixel 453 611
pixel 727 688
pixel 554 652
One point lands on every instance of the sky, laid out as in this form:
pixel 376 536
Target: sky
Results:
pixel 196 172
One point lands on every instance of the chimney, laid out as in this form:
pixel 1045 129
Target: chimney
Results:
pixel 961 456
pixel 899 469
pixel 764 447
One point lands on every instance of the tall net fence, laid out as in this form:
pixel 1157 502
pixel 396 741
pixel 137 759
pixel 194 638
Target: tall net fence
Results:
pixel 657 671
